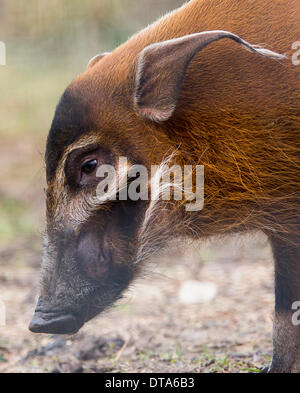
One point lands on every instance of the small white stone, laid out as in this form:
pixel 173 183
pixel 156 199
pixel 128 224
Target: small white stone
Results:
pixel 192 292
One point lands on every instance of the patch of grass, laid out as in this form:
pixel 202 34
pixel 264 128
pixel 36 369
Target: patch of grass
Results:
pixel 174 357
pixel 212 363
pixel 145 356
pixel 179 351
pixel 111 352
pixel 251 370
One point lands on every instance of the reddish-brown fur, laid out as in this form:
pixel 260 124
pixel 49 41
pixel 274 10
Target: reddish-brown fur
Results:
pixel 238 114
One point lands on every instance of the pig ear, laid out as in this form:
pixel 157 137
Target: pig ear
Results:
pixel 161 68
pixel 95 59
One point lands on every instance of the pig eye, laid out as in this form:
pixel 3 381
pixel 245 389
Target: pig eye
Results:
pixel 82 164
pixel 89 167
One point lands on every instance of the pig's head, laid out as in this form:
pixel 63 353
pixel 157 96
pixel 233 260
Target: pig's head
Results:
pixel 119 107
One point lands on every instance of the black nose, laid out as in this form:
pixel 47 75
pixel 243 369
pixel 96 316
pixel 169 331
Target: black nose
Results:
pixel 54 324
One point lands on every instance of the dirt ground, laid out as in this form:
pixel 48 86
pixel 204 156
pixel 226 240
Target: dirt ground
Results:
pixel 150 330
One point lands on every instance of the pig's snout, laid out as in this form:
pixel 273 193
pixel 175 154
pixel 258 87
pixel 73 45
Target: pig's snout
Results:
pixel 62 324
pixel 54 322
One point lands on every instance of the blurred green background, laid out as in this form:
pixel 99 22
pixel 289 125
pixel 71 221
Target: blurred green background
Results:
pixel 47 44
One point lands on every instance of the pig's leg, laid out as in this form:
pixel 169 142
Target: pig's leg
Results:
pixel 286 333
